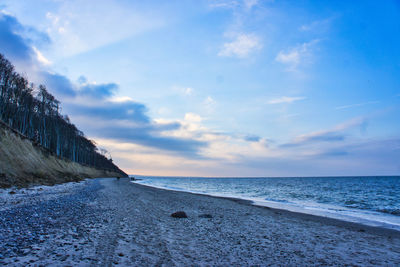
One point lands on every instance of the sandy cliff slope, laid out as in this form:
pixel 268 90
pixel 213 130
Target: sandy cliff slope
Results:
pixel 23 163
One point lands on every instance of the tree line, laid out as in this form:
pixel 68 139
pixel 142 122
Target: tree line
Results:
pixel 36 114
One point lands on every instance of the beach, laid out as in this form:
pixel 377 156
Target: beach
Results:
pixel 104 222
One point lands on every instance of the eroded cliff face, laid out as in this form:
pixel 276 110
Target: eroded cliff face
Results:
pixel 23 163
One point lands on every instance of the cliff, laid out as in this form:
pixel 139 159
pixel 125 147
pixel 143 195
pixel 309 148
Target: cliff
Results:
pixel 24 163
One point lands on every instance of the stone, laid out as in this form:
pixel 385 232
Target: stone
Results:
pixel 179 214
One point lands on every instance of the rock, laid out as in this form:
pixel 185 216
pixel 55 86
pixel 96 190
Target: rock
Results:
pixel 179 214
pixel 208 216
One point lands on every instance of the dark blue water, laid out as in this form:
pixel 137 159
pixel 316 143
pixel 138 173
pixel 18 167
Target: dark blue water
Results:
pixel 369 200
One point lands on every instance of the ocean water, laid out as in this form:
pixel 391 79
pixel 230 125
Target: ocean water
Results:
pixel 372 201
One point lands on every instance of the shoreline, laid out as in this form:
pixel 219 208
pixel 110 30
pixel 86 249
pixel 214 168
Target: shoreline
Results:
pixel 328 220
pixel 104 222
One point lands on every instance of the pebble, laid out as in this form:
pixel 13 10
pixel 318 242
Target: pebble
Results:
pixel 27 226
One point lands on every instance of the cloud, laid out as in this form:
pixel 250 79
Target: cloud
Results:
pixel 242 46
pixel 126 120
pixel 322 137
pixel 134 113
pixel 296 56
pixel 104 116
pixel 40 57
pixel 13 45
pixel 249 4
pixel 231 4
pixel 286 99
pixel 209 104
pixel 357 105
pixel 224 4
pixel 334 135
pixel 61 86
pixel 317 25
pixel 315 138
pixel 77 26
pixel 192 117
pixel 181 90
pixel 94 106
pixel 58 84
pixel 149 137
pixel 99 90
pixel 332 153
pixel 188 91
pixel 252 138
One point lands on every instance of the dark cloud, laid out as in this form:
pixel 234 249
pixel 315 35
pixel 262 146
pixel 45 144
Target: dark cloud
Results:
pixel 252 138
pixel 58 84
pixel 316 138
pixel 132 111
pixel 326 137
pixel 149 136
pixel 99 90
pixel 13 45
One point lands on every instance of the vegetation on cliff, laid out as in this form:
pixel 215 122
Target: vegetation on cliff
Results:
pixel 35 113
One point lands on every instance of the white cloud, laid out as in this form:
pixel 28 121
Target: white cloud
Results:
pixel 317 26
pixel 39 56
pixel 121 99
pixel 249 4
pixel 228 4
pixel 286 99
pixel 296 56
pixel 242 46
pixel 224 4
pixel 292 57
pixel 78 26
pixel 188 91
pixel 192 117
pixel 209 101
pixel 357 105
pixel 209 104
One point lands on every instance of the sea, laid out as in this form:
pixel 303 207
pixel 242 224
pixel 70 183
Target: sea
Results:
pixel 373 201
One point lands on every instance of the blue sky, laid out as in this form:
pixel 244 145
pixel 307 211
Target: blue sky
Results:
pixel 221 87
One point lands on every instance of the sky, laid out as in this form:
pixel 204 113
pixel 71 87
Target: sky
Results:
pixel 220 88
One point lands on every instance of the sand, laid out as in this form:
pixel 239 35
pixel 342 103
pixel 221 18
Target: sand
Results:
pixel 104 222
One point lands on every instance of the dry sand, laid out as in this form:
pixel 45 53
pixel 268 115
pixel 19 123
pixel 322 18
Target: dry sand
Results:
pixel 104 222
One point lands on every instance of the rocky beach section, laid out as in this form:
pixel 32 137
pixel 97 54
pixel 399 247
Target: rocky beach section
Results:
pixel 105 222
